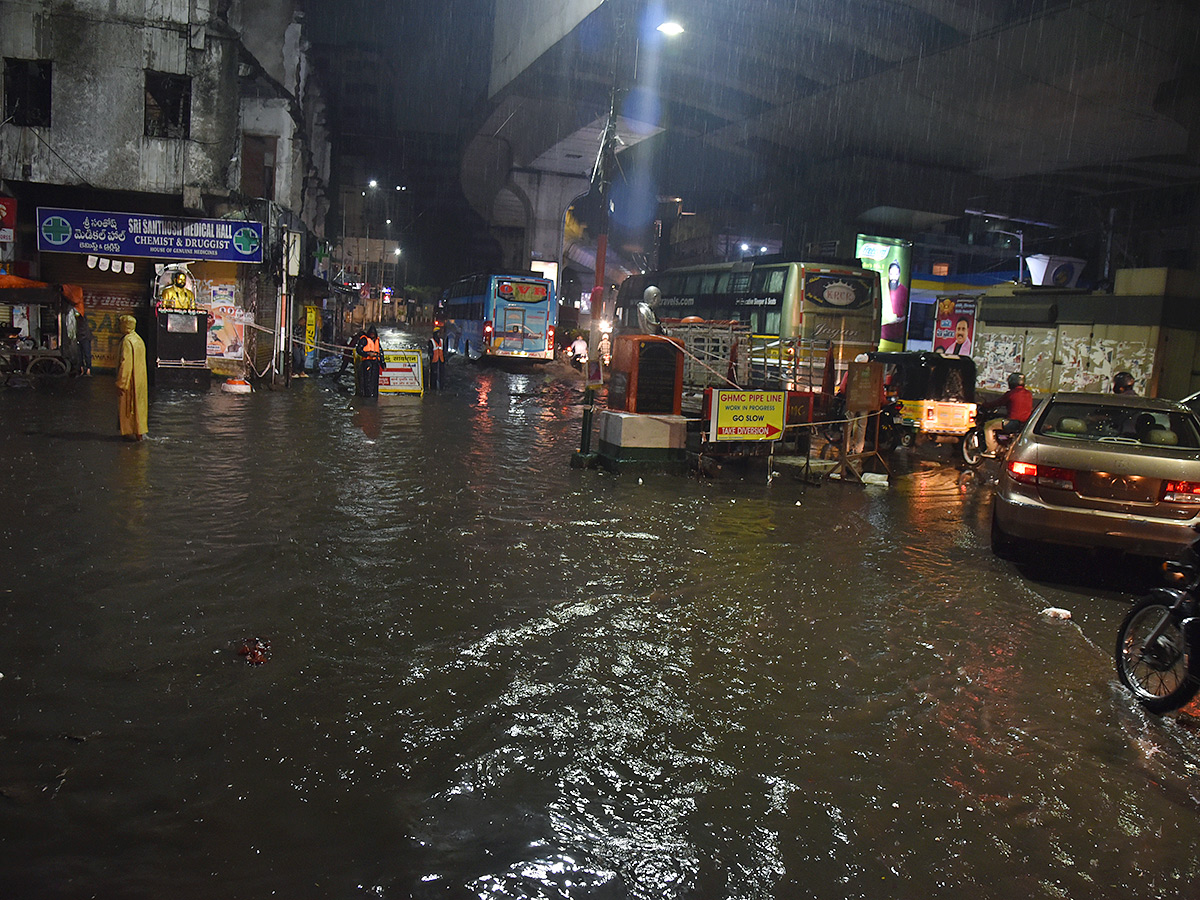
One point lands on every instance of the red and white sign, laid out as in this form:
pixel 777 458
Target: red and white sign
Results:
pixel 8 219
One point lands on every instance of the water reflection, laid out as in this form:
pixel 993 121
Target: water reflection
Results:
pixel 495 675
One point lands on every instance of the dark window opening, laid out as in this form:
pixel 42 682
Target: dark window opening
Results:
pixel 258 166
pixel 168 105
pixel 27 92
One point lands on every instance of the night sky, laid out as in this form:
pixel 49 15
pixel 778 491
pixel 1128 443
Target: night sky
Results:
pixel 443 51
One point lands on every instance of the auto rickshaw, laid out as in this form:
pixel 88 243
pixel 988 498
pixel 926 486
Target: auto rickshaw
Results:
pixel 935 394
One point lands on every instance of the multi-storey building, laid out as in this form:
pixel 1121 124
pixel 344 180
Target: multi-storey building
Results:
pixel 170 110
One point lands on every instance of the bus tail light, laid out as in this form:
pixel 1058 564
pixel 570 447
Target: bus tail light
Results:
pixel 487 334
pixel 550 338
pixel 1041 476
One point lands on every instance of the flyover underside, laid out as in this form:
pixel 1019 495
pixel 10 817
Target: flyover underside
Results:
pixel 917 105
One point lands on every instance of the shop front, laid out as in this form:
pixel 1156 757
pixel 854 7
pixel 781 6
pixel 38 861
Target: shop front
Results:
pixel 181 278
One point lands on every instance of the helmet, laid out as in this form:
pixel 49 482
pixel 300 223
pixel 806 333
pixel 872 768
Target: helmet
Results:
pixel 1122 383
pixel 1016 379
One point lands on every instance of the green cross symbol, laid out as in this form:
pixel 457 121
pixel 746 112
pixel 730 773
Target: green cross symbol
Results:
pixel 56 230
pixel 245 240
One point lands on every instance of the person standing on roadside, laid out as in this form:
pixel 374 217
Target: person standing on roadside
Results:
pixel 132 383
pixel 370 356
pixel 348 354
pixel 437 360
pixel 83 334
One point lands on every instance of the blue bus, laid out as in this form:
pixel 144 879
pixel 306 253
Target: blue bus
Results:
pixel 510 316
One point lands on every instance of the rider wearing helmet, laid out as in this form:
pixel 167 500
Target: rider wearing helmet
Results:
pixel 1019 403
pixel 1123 383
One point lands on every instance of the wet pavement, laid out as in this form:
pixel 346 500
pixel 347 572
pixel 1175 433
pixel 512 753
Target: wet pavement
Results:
pixel 492 675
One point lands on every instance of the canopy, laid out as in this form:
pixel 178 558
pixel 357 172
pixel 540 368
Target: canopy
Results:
pixel 14 289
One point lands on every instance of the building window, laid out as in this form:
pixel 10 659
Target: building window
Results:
pixel 27 92
pixel 168 105
pixel 258 166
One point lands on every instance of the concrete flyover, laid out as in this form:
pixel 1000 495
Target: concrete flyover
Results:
pixel 821 119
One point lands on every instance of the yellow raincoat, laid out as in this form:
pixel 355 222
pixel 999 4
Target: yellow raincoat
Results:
pixel 131 382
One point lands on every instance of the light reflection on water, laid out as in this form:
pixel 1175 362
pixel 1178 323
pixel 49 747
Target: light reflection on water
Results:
pixel 494 675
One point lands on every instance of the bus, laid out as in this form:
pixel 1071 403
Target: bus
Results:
pixel 507 315
pixel 788 310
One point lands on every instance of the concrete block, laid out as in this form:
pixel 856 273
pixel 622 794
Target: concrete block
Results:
pixel 630 430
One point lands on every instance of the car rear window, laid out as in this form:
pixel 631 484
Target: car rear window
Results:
pixel 1096 422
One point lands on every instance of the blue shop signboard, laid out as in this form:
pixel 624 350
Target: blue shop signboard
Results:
pixel 154 237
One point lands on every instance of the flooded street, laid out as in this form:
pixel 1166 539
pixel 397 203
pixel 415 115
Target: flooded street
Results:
pixel 493 675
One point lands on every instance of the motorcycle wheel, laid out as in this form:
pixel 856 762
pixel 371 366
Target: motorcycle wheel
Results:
pixel 970 448
pixel 1159 676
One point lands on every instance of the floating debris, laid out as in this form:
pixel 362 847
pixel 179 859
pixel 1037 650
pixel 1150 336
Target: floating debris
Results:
pixel 1054 612
pixel 255 650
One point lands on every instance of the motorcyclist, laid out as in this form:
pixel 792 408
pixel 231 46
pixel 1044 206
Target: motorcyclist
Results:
pixel 1018 401
pixel 579 351
pixel 1123 383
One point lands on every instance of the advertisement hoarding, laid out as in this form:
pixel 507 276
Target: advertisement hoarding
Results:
pixel 892 259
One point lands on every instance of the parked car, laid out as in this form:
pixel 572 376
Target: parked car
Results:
pixel 1106 471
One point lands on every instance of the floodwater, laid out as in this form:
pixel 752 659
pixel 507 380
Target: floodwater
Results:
pixel 493 675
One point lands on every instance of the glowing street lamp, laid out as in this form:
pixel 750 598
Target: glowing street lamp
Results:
pixel 602 178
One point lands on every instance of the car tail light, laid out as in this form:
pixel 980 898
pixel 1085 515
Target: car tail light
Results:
pixel 1022 472
pixel 1181 491
pixel 1042 476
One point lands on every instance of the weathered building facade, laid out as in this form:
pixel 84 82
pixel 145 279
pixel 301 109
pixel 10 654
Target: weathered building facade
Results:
pixel 175 108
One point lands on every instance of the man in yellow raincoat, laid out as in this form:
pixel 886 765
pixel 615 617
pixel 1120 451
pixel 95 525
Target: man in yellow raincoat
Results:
pixel 132 382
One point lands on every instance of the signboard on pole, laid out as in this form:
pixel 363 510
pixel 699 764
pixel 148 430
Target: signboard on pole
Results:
pixel 152 237
pixel 747 415
pixel 401 372
pixel 864 387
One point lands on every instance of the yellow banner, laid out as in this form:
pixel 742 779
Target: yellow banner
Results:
pixel 747 415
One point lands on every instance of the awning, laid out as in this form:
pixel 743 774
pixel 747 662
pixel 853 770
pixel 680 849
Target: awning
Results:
pixel 14 289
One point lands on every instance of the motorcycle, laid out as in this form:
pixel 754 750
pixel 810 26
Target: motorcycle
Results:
pixel 1156 644
pixel 974 443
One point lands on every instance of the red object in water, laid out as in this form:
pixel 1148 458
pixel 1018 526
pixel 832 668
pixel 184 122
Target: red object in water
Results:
pixel 255 651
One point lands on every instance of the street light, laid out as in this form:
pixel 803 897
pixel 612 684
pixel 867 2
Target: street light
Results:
pixel 602 178
pixel 606 158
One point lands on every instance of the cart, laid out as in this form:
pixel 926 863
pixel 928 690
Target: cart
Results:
pixel 32 347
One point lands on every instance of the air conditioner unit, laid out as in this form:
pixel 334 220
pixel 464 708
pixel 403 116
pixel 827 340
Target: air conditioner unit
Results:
pixel 1054 271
